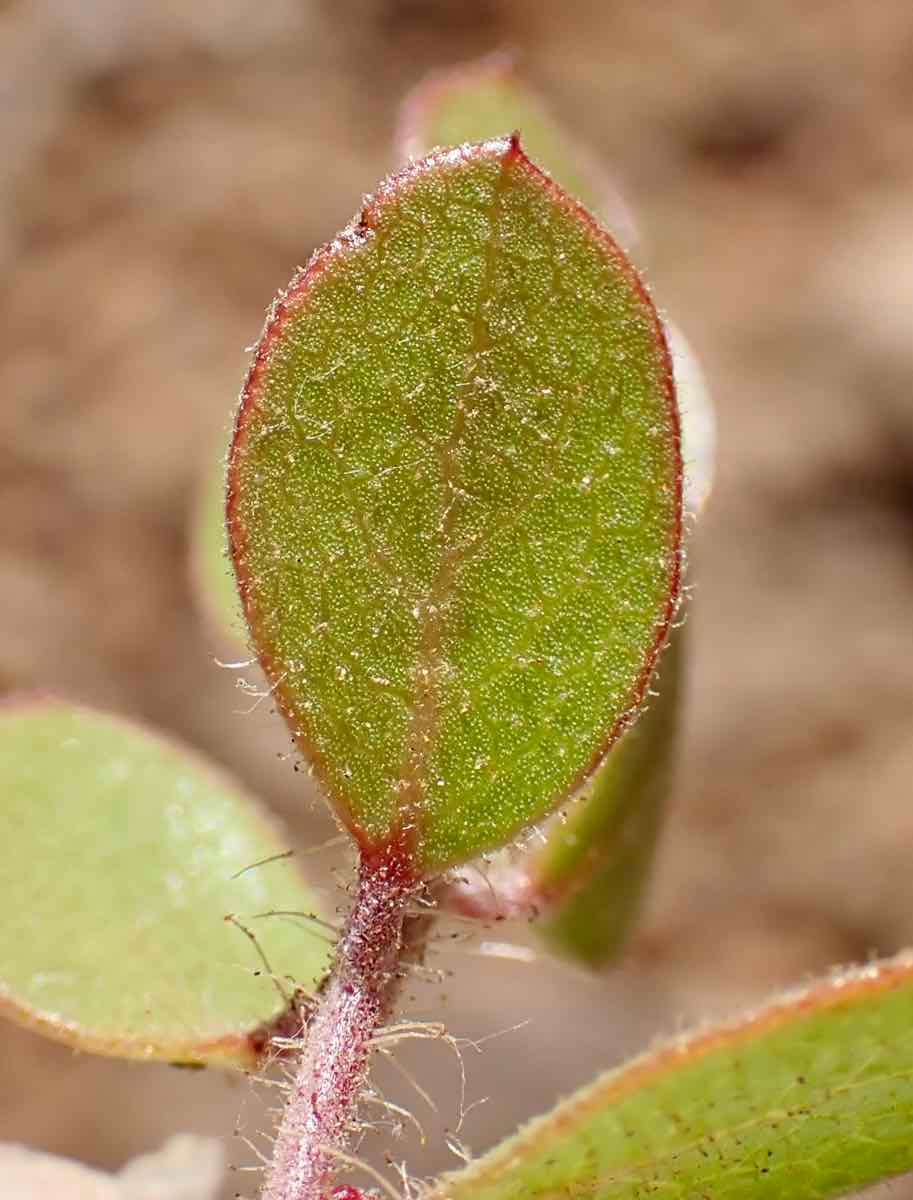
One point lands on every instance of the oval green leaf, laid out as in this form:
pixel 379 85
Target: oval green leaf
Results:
pixel 120 855
pixel 455 503
pixel 808 1098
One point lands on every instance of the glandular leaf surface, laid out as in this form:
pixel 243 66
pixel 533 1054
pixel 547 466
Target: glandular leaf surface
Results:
pixel 455 503
pixel 121 854
pixel 809 1098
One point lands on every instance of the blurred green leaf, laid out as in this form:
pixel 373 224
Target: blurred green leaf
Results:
pixel 808 1098
pixel 590 875
pixel 211 570
pixel 486 99
pixel 120 855
pixel 455 497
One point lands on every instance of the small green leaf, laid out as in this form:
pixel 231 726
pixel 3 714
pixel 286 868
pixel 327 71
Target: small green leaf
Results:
pixel 482 99
pixel 808 1098
pixel 455 502
pixel 119 861
pixel 590 874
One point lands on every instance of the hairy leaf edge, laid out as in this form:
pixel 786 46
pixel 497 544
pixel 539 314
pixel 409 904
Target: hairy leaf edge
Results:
pixel 841 989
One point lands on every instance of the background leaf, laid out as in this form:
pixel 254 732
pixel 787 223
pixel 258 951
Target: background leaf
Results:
pixel 455 493
pixel 591 872
pixel 211 570
pixel 808 1098
pixel 118 861
pixel 486 99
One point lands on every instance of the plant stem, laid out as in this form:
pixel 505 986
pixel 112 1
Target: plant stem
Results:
pixel 334 1063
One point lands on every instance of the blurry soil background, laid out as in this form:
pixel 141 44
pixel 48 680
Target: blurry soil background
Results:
pixel 165 166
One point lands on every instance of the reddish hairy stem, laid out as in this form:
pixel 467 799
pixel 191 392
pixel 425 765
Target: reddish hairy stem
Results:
pixel 334 1063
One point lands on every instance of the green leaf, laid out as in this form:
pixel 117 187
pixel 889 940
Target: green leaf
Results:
pixel 484 99
pixel 589 877
pixel 590 874
pixel 119 861
pixel 455 500
pixel 808 1098
pixel 211 569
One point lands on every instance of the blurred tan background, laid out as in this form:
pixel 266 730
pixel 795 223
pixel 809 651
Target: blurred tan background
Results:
pixel 163 168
